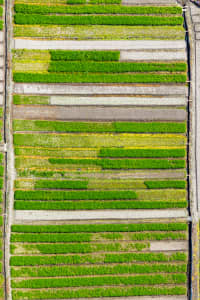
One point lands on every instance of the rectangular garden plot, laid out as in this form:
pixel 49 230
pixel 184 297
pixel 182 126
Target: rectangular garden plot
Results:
pixel 96 20
pixel 110 165
pixel 98 260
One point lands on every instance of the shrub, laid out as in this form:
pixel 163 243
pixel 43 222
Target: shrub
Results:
pixel 61 184
pixel 98 78
pixel 65 55
pixel 94 9
pixel 101 227
pixel 119 152
pixel 74 195
pixel 92 205
pixel 115 67
pixel 165 184
pixel 100 281
pixel 33 19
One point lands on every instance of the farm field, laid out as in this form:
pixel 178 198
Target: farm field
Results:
pixel 100 145
pixel 78 20
pixel 86 260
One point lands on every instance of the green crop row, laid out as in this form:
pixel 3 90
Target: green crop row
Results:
pixel 124 163
pixel 75 195
pixel 77 184
pixel 98 78
pixel 57 55
pixel 100 227
pixel 76 2
pixel 100 281
pixel 105 1
pixel 58 184
pixel 58 126
pixel 114 67
pixel 54 271
pixel 93 205
pixel 88 237
pixel 33 19
pixel 141 153
pixel 165 184
pixel 22 99
pixel 97 258
pixel 94 9
pixel 56 248
pixel 99 292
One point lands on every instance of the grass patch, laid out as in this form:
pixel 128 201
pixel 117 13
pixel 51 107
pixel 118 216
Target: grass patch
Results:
pixel 58 184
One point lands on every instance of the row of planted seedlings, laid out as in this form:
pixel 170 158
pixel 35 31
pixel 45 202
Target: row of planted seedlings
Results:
pixel 88 165
pixel 98 260
pixel 68 66
pixel 96 20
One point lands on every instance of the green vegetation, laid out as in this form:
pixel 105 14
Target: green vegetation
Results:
pixel 103 32
pixel 116 152
pixel 93 205
pixel 98 78
pixel 100 227
pixel 54 271
pixel 124 163
pixel 71 184
pixel 32 19
pixel 97 292
pixel 29 100
pixel 100 281
pixel 65 55
pixel 74 195
pixel 94 9
pixel 114 67
pixel 165 184
pixel 118 127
